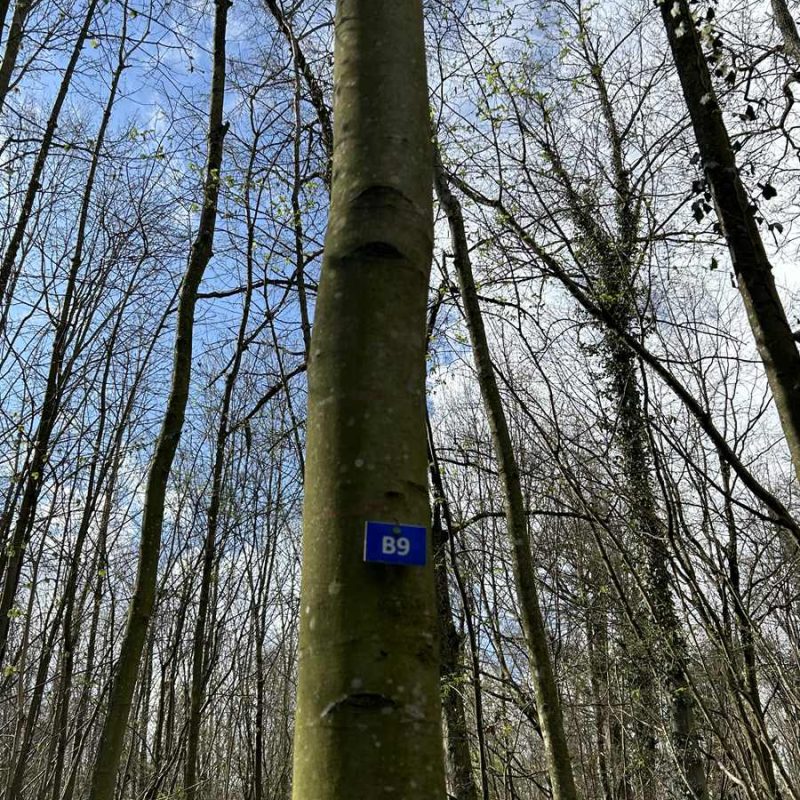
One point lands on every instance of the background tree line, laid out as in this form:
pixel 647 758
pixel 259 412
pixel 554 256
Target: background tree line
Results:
pixel 611 393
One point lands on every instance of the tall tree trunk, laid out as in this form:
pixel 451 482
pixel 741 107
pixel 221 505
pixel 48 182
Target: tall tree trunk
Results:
pixel 71 588
pixel 368 708
pixel 81 731
pixel 104 773
pixel 614 259
pixel 765 311
pixel 611 765
pixel 548 702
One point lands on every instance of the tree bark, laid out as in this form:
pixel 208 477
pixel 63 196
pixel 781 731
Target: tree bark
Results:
pixel 462 778
pixel 104 774
pixel 200 645
pixel 368 706
pixel 765 311
pixel 788 28
pixel 548 703
pixel 13 45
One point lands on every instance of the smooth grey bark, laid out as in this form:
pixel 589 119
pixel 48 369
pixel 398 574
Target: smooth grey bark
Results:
pixel 104 775
pixel 368 718
pixel 548 702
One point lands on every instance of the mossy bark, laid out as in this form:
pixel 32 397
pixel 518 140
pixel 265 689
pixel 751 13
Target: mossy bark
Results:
pixel 368 721
pixel 765 311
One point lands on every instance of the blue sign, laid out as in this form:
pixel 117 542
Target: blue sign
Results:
pixel 393 543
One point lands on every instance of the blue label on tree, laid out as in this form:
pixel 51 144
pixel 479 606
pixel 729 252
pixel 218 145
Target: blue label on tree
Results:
pixel 392 543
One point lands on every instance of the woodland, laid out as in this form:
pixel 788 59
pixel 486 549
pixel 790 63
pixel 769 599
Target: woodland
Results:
pixel 599 231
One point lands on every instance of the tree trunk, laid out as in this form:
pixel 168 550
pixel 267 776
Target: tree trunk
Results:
pixel 13 45
pixel 771 330
pixel 462 779
pixel 200 644
pixel 788 28
pixel 748 683
pixel 57 373
pixel 548 703
pixel 8 263
pixel 127 668
pixel 368 707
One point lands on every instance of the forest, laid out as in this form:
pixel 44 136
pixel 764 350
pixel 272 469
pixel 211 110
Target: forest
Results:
pixel 521 277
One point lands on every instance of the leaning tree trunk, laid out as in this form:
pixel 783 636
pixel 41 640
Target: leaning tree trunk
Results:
pixel 368 709
pixel 104 774
pixel 13 46
pixel 548 702
pixel 786 25
pixel 773 335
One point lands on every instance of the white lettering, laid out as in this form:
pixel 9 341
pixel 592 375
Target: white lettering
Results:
pixel 388 545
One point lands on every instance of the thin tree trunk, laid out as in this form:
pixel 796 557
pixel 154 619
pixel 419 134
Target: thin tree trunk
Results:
pixel 80 728
pixel 200 645
pixel 615 265
pixel 69 627
pixel 606 730
pixel 368 670
pixel 548 702
pixel 127 668
pixel 34 182
pixel 315 93
pixel 56 377
pixel 744 625
pixel 4 4
pixel 462 778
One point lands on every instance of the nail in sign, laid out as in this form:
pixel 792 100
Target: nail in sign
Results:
pixel 394 543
